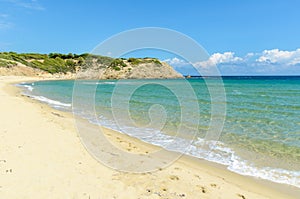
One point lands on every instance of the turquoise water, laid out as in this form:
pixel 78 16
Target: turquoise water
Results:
pixel 261 133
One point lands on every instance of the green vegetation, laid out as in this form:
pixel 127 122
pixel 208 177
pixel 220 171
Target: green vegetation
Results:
pixel 116 68
pixel 63 63
pixel 52 63
pixel 137 61
pixel 12 56
pixel 134 61
pixel 7 64
pixel 103 60
pixel 156 61
pixel 117 63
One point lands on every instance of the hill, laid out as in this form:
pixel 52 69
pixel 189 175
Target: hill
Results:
pixel 85 66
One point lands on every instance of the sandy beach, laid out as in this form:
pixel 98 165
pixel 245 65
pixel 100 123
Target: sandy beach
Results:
pixel 41 156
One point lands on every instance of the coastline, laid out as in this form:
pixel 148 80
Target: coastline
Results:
pixel 42 157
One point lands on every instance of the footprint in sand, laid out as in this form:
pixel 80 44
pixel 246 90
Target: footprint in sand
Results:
pixel 2 162
pixel 197 176
pixel 241 196
pixel 173 177
pixel 9 171
pixel 213 185
pixel 202 189
pixel 57 114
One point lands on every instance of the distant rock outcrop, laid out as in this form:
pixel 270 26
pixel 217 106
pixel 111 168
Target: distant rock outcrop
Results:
pixel 132 68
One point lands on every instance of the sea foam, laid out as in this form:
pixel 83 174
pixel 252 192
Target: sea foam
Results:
pixel 214 151
pixel 50 101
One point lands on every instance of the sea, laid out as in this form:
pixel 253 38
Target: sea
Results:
pixel 260 117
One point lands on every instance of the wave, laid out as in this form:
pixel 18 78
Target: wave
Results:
pixel 220 153
pixel 51 102
pixel 30 88
pixel 213 151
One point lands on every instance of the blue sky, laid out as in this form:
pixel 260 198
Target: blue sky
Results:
pixel 230 30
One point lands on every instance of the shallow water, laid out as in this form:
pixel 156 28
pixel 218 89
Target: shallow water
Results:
pixel 261 133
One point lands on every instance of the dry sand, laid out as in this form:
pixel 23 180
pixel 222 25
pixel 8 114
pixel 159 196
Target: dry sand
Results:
pixel 41 156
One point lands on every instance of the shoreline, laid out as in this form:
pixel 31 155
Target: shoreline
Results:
pixel 188 177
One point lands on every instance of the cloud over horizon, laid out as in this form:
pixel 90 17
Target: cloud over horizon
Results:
pixel 220 58
pixel 276 56
pixel 176 62
pixel 272 61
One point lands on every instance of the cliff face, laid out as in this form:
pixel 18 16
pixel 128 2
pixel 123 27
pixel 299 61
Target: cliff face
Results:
pixel 125 69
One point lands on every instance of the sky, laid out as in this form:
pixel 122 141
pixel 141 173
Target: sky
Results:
pixel 241 36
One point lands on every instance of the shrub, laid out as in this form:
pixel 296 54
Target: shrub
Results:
pixel 33 56
pixel 134 61
pixel 80 61
pixel 7 64
pixel 116 68
pixel 70 62
pixel 116 63
pixel 156 61
pixel 84 55
pixel 104 60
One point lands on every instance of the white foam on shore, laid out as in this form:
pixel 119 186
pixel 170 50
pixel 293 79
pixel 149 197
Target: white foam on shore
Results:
pixel 214 151
pixel 49 101
pixel 218 152
pixel 53 103
pixel 30 88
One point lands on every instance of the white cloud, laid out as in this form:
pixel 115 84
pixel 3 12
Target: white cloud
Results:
pixel 267 58
pixel 273 61
pixel 176 62
pixel 276 56
pixel 249 55
pixel 220 58
pixel 28 4
pixel 5 22
pixel 5 25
